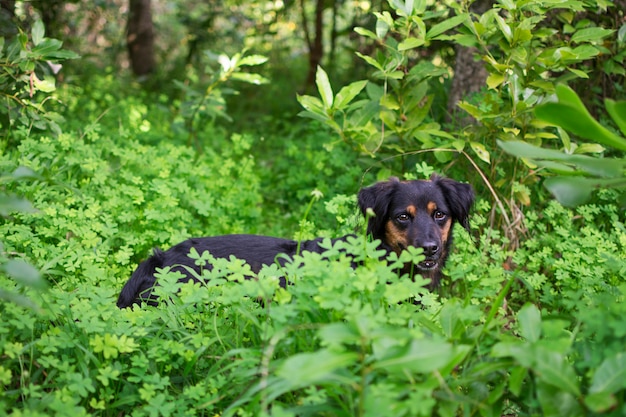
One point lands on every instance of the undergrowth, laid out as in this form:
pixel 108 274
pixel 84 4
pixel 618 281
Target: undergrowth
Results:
pixel 535 331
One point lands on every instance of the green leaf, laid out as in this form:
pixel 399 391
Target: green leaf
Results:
pixel 252 60
pixel 504 28
pixel 348 93
pixel 556 402
pixel 594 34
pixel 38 32
pixel 481 151
pixel 313 368
pixel 47 85
pixel 410 43
pixel 571 114
pixel 10 203
pixel 249 78
pixel 24 273
pixel 367 33
pixel 494 80
pixel 570 191
pixel 603 167
pixel 47 48
pixel 617 110
pixel 324 88
pixel 529 319
pixel 421 355
pixel 446 25
pixel 600 401
pixel 370 61
pixel 610 375
pixel 553 368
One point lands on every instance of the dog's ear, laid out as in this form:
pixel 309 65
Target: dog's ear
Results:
pixel 459 196
pixel 377 197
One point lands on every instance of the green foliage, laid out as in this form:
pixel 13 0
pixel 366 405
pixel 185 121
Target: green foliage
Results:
pixel 340 340
pixel 26 80
pixel 198 108
pixel 528 49
pixel 577 176
pixel 535 328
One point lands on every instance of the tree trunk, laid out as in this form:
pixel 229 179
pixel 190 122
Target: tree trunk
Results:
pixel 470 74
pixel 315 45
pixel 140 37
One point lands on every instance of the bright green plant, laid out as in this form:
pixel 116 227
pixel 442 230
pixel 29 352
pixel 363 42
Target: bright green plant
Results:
pixel 22 272
pixel 575 176
pixel 27 79
pixel 198 107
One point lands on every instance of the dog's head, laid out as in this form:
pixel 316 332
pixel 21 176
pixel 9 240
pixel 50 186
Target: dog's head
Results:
pixel 417 213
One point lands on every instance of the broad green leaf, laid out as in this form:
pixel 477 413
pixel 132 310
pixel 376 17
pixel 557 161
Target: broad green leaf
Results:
pixel 338 334
pixel 617 110
pixel 46 48
pixel 594 34
pixel 22 172
pixel 421 355
pixel 24 273
pixel 410 43
pixel 600 401
pixel 603 167
pixel 313 368
pixel 473 111
pixel 570 119
pixel 10 203
pixel 610 375
pixel 572 115
pixel 557 403
pixel 481 151
pixel 494 80
pixel 585 148
pixel 449 319
pixel 370 61
pixel 446 25
pixel 504 28
pixel 312 104
pixel 553 368
pixel 38 32
pixel 518 375
pixel 529 319
pixel 47 85
pixel 324 88
pixel 390 102
pixel 523 353
pixel 382 27
pixel 366 33
pixel 348 93
pixel 249 78
pixel 578 73
pixel 252 60
pixel 570 191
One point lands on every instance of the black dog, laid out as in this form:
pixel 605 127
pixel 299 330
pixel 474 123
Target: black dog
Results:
pixel 407 213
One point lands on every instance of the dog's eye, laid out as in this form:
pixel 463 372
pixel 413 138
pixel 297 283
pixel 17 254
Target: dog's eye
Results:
pixel 403 217
pixel 439 215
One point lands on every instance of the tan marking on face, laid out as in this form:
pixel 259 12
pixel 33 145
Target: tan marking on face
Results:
pixel 395 237
pixel 412 210
pixel 445 231
pixel 431 207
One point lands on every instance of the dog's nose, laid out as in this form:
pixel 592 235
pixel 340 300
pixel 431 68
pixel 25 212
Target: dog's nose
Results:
pixel 430 249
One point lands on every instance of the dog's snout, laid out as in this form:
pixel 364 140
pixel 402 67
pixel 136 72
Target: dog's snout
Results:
pixel 430 249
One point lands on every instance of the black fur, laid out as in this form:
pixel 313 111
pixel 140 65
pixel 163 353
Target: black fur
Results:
pixel 406 213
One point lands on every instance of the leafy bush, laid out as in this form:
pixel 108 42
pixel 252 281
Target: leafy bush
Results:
pixel 27 79
pixel 577 176
pixel 340 340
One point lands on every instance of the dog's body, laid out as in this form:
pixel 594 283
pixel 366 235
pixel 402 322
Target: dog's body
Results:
pixel 406 213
